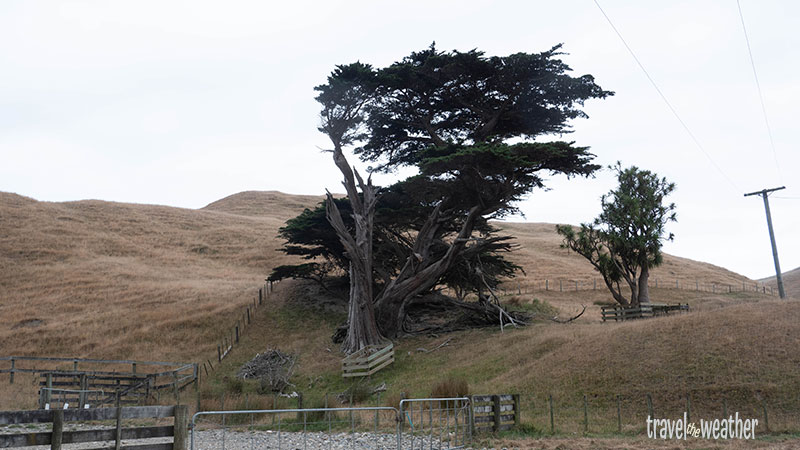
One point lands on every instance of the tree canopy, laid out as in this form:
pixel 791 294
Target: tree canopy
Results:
pixel 624 242
pixel 468 124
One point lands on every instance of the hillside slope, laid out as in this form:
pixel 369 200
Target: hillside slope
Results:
pixel 791 282
pixel 103 279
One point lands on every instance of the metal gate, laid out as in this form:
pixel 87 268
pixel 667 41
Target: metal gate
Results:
pixel 418 424
pixel 428 423
pixel 312 428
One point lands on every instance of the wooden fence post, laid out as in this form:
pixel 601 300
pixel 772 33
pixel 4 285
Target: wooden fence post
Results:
pixel 619 415
pixel 11 381
pixel 688 407
pixel 546 285
pixel 237 332
pixel 552 422
pixel 49 384
pixel 197 385
pixel 219 353
pixel 181 428
pixel 471 415
pixel 118 434
pixel 58 428
pixel 299 406
pixel 175 387
pixel 496 408
pixel 84 385
pixel 585 414
pixel 516 410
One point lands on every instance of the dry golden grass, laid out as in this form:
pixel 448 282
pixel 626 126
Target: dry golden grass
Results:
pixel 112 280
pixel 539 253
pixel 109 280
pixel 791 283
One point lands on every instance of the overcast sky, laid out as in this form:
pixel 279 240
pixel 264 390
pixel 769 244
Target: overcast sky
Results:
pixel 183 103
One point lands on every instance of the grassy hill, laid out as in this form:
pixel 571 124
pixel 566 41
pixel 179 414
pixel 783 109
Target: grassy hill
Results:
pixel 791 283
pixel 111 280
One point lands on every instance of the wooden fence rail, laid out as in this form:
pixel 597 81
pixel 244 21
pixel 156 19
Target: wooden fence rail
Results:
pixel 620 313
pixel 494 412
pixel 367 361
pixel 131 384
pixel 57 436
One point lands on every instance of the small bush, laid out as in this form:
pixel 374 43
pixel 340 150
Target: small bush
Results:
pixel 233 385
pixel 450 388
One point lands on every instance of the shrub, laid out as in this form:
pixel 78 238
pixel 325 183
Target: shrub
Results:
pixel 450 388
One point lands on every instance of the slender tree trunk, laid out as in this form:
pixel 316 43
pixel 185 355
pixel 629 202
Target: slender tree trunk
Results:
pixel 615 291
pixel 633 285
pixel 644 289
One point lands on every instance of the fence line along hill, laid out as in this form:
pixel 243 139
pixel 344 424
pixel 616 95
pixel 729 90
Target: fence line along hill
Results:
pixel 791 283
pixel 115 280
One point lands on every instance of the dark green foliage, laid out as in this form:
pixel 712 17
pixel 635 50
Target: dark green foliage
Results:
pixel 467 123
pixel 465 98
pixel 624 242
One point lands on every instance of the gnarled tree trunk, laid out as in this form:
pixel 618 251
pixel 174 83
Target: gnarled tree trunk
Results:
pixel 362 329
pixel 421 271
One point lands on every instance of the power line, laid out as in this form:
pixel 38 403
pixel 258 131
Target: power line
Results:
pixel 760 95
pixel 663 97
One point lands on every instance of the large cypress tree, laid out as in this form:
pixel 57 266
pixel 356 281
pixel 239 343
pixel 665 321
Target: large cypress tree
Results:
pixel 468 124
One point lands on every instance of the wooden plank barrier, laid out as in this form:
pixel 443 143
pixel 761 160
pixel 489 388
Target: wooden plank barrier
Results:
pixel 98 382
pixel 57 437
pixel 367 361
pixel 621 313
pixel 493 413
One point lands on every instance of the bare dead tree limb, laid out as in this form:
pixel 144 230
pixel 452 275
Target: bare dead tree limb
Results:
pixel 557 320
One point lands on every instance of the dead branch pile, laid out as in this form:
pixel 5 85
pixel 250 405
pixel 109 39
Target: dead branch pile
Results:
pixel 273 368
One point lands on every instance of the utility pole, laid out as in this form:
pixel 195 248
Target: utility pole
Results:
pixel 765 195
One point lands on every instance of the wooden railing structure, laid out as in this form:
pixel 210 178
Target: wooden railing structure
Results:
pixel 492 413
pixel 56 436
pixel 620 313
pixel 367 361
pixel 96 382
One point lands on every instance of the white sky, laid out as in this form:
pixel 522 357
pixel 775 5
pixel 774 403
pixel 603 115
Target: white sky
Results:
pixel 183 103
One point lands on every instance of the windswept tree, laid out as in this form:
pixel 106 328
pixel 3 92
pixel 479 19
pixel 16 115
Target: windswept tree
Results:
pixel 624 242
pixel 467 123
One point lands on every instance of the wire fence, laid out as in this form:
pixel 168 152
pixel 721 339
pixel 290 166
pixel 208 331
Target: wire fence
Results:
pixel 528 286
pixel 593 413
